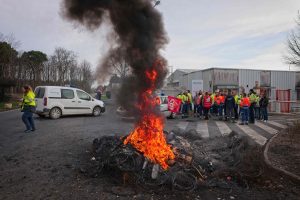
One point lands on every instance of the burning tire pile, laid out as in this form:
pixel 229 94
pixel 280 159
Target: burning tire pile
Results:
pixel 222 162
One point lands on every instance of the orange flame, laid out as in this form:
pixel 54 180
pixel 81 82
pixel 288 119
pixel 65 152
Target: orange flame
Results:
pixel 147 136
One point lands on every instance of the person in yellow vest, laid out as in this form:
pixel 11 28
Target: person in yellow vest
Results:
pixel 179 96
pixel 252 97
pixel 28 108
pixel 185 99
pixel 190 101
pixel 237 99
pixel 257 107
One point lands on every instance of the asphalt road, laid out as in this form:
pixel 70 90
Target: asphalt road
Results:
pixel 38 165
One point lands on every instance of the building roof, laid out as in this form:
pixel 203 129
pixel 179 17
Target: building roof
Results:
pixel 187 70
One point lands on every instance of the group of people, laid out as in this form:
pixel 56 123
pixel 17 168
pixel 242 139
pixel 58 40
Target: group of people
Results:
pixel 227 105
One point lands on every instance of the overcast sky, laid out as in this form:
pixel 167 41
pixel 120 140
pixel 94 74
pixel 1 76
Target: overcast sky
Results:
pixel 202 33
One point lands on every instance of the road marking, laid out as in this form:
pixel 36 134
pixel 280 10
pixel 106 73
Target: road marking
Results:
pixel 182 125
pixel 266 128
pixel 223 127
pixel 202 129
pixel 277 124
pixel 253 134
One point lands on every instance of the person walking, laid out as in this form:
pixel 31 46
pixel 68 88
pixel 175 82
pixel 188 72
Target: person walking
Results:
pixel 244 105
pixel 229 105
pixel 207 101
pixel 28 108
pixel 264 102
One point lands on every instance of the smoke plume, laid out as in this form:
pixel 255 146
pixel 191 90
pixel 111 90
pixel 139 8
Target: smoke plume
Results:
pixel 139 34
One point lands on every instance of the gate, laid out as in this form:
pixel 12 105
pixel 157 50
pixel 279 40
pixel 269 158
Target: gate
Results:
pixel 283 97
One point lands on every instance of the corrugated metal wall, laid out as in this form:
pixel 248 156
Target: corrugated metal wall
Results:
pixel 207 78
pixel 283 80
pixel 193 76
pixel 185 82
pixel 248 77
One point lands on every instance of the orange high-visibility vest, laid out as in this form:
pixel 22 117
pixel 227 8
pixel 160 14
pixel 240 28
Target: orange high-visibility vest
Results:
pixel 245 101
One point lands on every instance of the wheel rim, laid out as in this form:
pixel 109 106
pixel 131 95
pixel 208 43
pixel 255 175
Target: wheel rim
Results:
pixel 96 111
pixel 56 113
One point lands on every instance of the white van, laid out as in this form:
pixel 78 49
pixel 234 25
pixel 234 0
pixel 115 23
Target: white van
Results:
pixel 55 101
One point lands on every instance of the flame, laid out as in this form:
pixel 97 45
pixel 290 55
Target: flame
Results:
pixel 147 136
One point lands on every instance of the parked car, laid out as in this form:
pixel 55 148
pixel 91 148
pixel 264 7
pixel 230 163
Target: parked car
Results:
pixel 163 108
pixel 56 101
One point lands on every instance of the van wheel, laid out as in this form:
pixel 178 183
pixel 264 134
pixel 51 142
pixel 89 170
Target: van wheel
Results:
pixel 55 113
pixel 97 111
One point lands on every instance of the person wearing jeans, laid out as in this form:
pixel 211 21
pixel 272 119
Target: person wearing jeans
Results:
pixel 264 102
pixel 27 118
pixel 28 107
pixel 245 115
pixel 244 105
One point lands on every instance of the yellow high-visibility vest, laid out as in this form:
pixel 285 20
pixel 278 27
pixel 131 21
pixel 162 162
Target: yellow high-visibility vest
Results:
pixel 28 99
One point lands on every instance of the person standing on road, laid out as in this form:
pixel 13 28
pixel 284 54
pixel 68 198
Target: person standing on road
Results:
pixel 252 97
pixel 229 105
pixel 257 108
pixel 207 101
pixel 189 102
pixel 244 106
pixel 237 99
pixel 28 108
pixel 99 94
pixel 264 102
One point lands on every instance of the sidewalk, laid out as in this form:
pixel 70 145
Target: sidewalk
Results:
pixel 284 151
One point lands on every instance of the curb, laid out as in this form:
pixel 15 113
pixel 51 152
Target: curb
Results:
pixel 9 110
pixel 268 162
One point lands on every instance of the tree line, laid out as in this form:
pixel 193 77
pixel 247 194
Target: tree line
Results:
pixel 37 68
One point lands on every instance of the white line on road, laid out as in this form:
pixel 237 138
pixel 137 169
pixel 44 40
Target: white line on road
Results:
pixel 182 125
pixel 223 127
pixel 253 134
pixel 266 128
pixel 277 124
pixel 202 129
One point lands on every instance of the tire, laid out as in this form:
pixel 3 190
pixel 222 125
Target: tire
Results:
pixel 55 113
pixel 96 111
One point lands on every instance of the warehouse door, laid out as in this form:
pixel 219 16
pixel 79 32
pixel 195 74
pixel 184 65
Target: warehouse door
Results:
pixel 284 98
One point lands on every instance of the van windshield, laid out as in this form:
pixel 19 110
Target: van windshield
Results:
pixel 39 92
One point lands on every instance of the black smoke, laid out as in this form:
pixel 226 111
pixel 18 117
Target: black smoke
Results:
pixel 139 34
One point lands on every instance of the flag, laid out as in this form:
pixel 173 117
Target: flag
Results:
pixel 174 104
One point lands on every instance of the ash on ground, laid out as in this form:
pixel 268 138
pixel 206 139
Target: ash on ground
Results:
pixel 224 162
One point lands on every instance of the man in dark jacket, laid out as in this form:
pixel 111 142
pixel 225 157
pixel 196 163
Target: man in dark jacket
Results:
pixel 263 103
pixel 229 104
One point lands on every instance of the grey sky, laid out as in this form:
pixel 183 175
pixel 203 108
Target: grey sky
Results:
pixel 202 33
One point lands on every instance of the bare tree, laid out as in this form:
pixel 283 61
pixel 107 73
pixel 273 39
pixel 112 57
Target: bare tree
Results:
pixel 86 78
pixel 113 64
pixel 63 60
pixel 293 44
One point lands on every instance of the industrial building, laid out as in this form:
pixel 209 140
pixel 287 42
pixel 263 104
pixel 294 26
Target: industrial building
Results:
pixel 283 87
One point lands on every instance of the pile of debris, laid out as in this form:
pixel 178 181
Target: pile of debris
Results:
pixel 219 162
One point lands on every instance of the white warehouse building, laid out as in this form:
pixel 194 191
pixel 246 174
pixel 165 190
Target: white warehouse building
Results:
pixel 281 86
